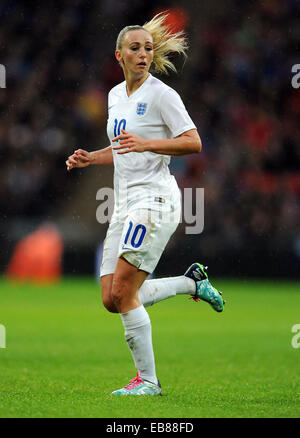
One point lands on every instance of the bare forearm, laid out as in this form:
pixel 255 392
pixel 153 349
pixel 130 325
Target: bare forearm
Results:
pixel 102 156
pixel 175 146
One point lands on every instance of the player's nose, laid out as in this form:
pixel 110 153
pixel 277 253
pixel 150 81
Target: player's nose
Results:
pixel 142 53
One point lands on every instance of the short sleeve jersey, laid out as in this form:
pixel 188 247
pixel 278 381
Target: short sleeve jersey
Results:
pixel 153 111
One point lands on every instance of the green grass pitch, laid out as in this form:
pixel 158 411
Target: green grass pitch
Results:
pixel 64 353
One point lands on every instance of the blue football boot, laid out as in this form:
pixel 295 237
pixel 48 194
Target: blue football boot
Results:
pixel 204 290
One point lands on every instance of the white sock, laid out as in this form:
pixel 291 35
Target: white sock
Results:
pixel 153 291
pixel 138 335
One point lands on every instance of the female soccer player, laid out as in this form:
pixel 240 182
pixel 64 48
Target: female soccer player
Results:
pixel 147 123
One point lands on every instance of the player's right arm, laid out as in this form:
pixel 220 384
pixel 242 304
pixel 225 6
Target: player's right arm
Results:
pixel 82 158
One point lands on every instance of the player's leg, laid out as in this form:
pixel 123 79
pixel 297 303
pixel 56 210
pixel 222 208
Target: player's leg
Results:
pixel 127 280
pixel 109 263
pixel 120 282
pixel 141 245
pixel 156 290
pixel 194 283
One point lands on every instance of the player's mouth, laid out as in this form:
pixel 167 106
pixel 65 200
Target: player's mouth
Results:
pixel 142 64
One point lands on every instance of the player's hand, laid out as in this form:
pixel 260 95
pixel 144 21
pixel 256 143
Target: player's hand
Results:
pixel 129 142
pixel 80 158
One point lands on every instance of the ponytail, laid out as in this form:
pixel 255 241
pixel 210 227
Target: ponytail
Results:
pixel 164 43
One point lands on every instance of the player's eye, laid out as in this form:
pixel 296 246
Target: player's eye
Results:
pixel 148 49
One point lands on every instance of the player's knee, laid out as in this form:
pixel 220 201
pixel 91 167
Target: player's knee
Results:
pixel 109 305
pixel 118 293
pixel 108 302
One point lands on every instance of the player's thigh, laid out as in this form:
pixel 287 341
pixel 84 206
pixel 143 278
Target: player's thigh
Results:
pixel 109 261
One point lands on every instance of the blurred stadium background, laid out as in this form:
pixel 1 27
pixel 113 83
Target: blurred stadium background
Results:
pixel 236 84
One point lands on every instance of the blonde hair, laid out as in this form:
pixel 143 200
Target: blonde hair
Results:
pixel 164 42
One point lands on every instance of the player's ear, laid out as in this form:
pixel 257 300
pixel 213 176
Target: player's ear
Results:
pixel 118 56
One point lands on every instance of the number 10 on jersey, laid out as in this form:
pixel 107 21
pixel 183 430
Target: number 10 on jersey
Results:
pixel 118 126
pixel 135 234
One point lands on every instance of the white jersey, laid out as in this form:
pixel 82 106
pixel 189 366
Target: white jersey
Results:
pixel 153 111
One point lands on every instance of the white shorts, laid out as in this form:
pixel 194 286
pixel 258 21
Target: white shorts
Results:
pixel 140 239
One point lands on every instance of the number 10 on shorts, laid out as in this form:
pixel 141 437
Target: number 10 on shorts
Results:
pixel 135 235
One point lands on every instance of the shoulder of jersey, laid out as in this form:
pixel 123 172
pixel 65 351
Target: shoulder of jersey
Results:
pixel 158 86
pixel 159 89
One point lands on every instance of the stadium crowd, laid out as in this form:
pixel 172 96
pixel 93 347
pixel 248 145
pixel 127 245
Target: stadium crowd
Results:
pixel 236 84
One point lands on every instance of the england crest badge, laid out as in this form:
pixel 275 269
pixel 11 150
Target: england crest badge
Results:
pixel 141 109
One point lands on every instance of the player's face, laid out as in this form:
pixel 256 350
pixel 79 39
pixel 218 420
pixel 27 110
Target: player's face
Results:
pixel 136 53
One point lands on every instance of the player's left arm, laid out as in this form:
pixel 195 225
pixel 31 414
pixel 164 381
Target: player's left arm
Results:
pixel 188 142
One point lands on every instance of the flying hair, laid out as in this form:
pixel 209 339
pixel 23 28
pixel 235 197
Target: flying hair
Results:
pixel 165 42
